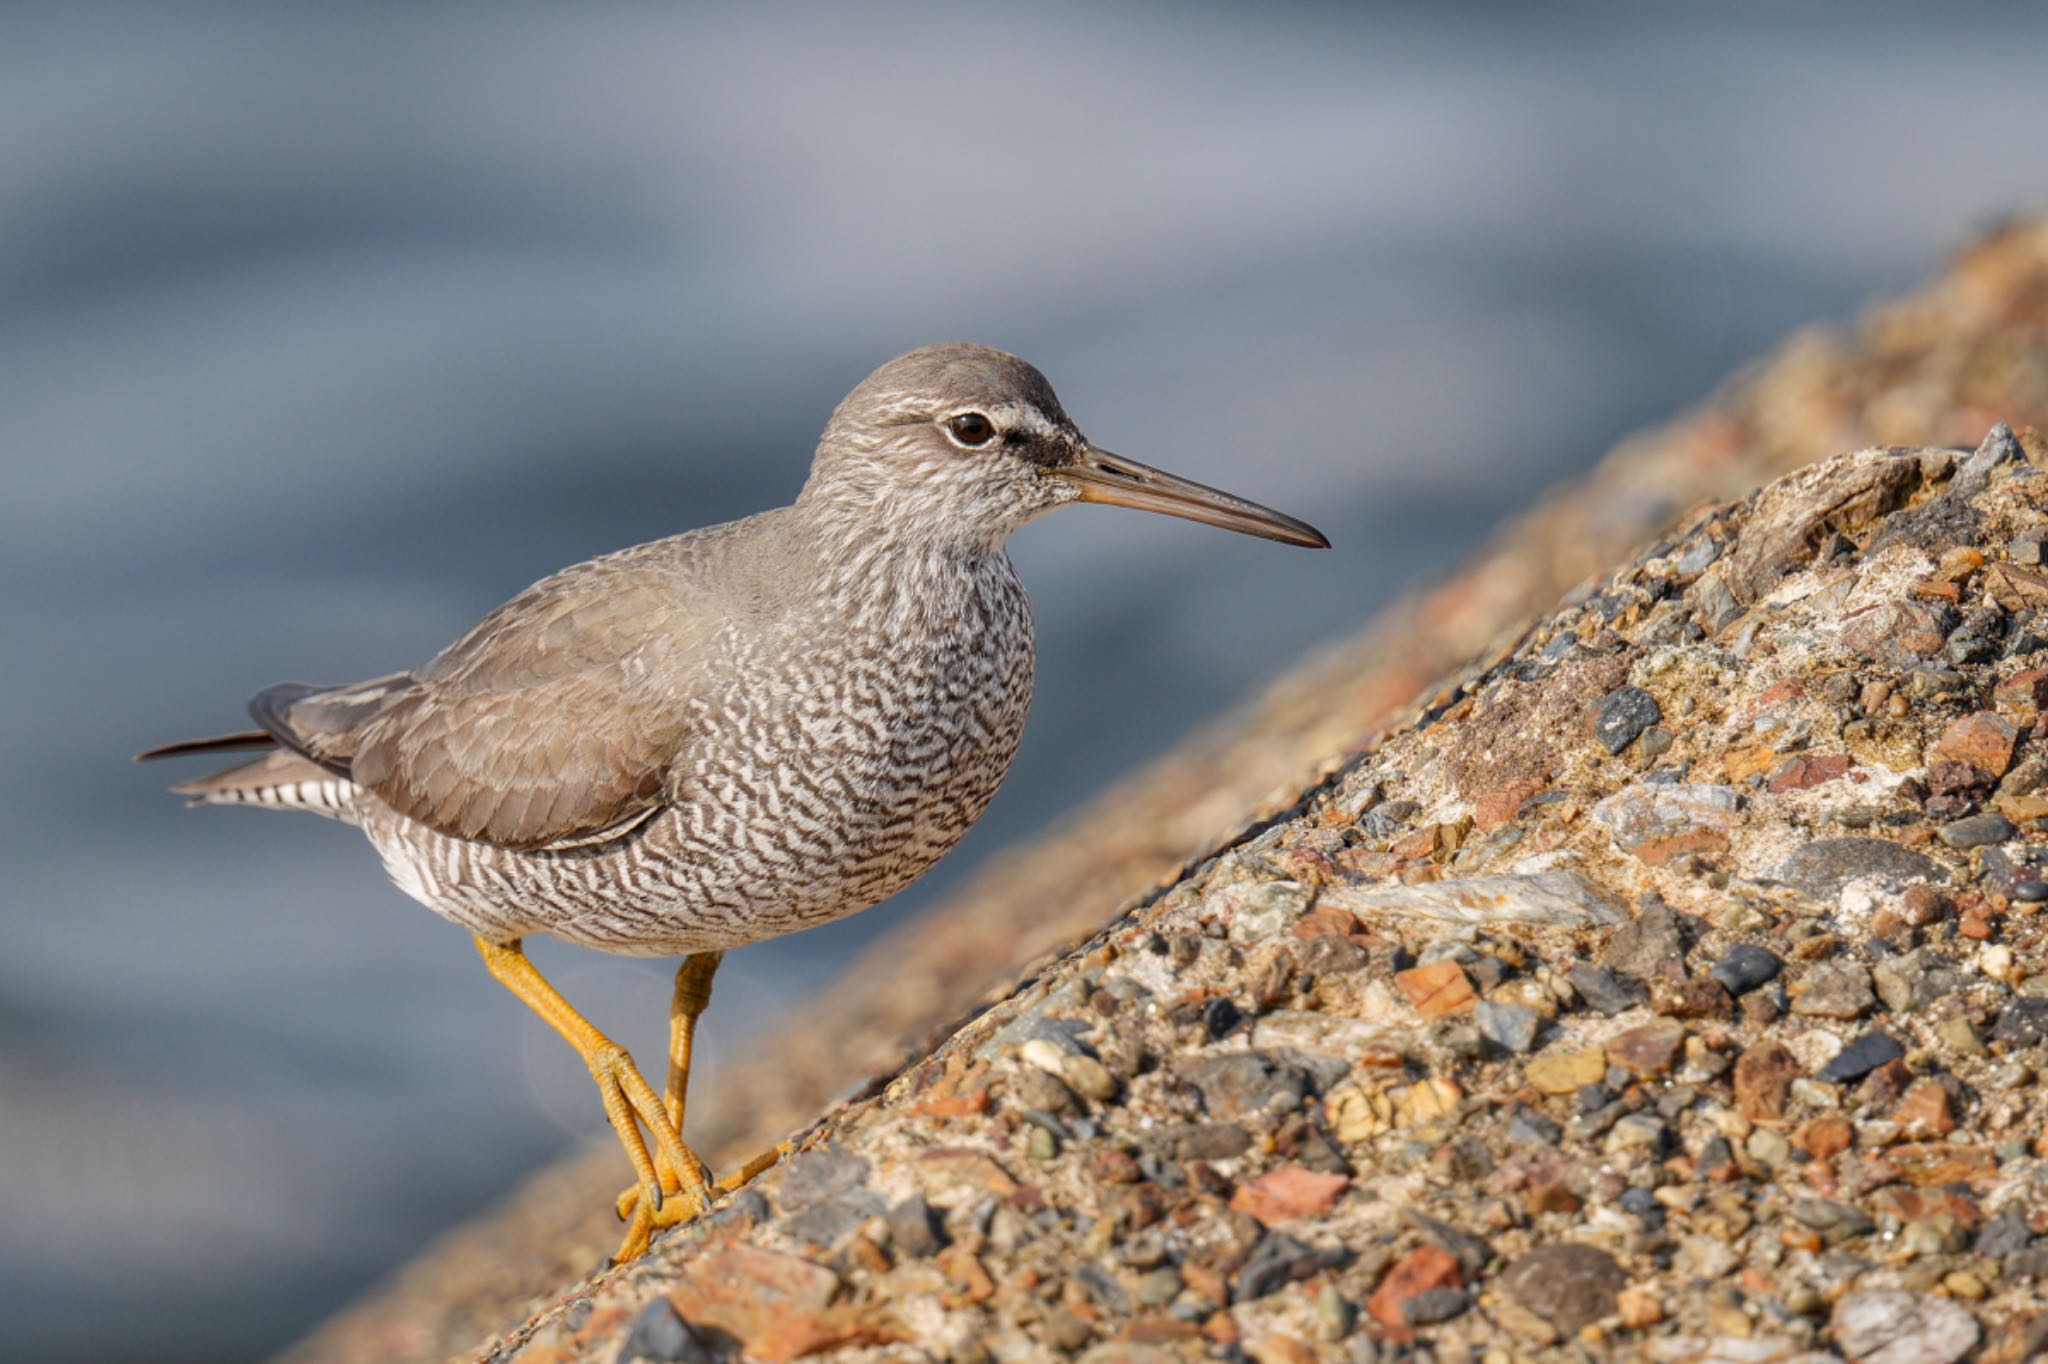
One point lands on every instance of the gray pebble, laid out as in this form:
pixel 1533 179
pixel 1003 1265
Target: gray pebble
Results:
pixel 1280 1259
pixel 1821 868
pixel 1511 1027
pixel 818 1175
pixel 1977 831
pixel 1745 966
pixel 1624 713
pixel 660 1336
pixel 1860 1057
pixel 1433 1305
pixel 1568 1284
pixel 2021 1023
pixel 1529 1128
pixel 1835 989
pixel 1885 1326
pixel 1604 990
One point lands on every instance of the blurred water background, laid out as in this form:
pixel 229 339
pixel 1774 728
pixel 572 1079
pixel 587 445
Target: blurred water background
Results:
pixel 323 329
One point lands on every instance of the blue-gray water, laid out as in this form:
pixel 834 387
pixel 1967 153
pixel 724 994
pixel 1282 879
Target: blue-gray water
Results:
pixel 324 329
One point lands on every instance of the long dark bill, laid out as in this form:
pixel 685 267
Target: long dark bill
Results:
pixel 1119 482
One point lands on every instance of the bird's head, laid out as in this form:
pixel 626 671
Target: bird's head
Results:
pixel 967 443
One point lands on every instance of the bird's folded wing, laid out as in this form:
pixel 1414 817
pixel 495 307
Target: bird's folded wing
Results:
pixel 555 720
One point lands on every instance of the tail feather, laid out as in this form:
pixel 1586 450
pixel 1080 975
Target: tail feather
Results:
pixel 219 743
pixel 279 780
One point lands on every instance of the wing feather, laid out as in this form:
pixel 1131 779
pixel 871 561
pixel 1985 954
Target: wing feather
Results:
pixel 556 718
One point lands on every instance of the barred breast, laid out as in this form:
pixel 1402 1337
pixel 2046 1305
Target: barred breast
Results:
pixel 837 760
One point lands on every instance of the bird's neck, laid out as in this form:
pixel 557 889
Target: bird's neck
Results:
pixel 889 559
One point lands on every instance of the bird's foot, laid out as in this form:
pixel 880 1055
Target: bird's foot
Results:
pixel 643 1220
pixel 644 1216
pixel 630 1102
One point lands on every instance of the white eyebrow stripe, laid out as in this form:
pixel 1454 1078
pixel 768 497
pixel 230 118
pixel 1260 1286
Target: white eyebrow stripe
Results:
pixel 1015 417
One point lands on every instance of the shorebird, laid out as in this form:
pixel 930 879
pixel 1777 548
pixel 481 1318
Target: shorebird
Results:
pixel 724 736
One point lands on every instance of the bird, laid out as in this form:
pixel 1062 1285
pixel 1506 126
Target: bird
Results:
pixel 723 736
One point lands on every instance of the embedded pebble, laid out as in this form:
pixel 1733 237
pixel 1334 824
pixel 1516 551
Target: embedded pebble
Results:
pixel 1860 1057
pixel 1887 1327
pixel 1744 966
pixel 1569 1285
pixel 1623 714
pixel 1511 1027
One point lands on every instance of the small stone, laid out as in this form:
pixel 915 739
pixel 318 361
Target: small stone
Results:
pixel 1959 1037
pixel 1562 899
pixel 1511 1027
pixel 1359 1112
pixel 1768 1148
pixel 1089 1077
pixel 1984 740
pixel 1963 1284
pixel 1659 820
pixel 1420 1270
pixel 1838 1221
pixel 1688 997
pixel 1434 1305
pixel 1262 910
pixel 1825 1137
pixel 1473 1252
pixel 2025 694
pixel 1834 989
pixel 1034 1088
pixel 1637 1132
pixel 1562 1072
pixel 1745 966
pixel 1821 868
pixel 1568 1284
pixel 1158 1287
pixel 1335 1314
pixel 1916 980
pixel 1763 1079
pixel 1220 1016
pixel 1860 1057
pixel 1437 989
pixel 1208 1140
pixel 1648 944
pixel 1623 714
pixel 1977 831
pixel 1640 1306
pixel 1885 1326
pixel 2022 1023
pixel 1288 1192
pixel 1648 1051
pixel 1280 1259
pixel 1605 991
pixel 660 1336
pixel 1065 1331
pixel 1240 1085
pixel 1530 1128
pixel 817 1175
pixel 1657 741
pixel 914 1227
pixel 1425 1101
pixel 1926 1111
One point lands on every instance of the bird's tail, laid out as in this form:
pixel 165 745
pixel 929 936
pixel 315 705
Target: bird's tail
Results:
pixel 219 743
pixel 279 780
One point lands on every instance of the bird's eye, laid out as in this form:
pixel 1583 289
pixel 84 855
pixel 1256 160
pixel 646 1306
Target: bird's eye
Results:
pixel 971 429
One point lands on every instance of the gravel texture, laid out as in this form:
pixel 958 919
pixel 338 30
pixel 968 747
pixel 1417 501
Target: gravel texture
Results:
pixel 1728 1051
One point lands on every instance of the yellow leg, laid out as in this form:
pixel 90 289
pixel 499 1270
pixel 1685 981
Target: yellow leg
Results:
pixel 692 996
pixel 626 1095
